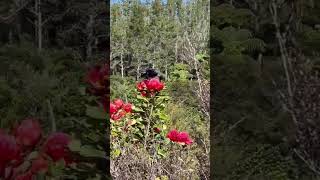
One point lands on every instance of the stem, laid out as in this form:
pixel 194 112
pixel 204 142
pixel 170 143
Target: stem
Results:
pixel 148 127
pixel 53 121
pixel 154 157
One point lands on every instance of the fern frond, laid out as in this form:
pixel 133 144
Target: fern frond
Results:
pixel 254 44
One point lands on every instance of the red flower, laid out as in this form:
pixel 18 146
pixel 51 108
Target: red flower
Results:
pixel 2 169
pixel 118 103
pixel 104 102
pixel 39 165
pixel 94 76
pixel 118 109
pixel 122 113
pixel 26 176
pixel 141 85
pixel 143 93
pixel 113 108
pixel 150 86
pixel 157 130
pixel 127 107
pixel 154 84
pixel 28 132
pixel 105 71
pixel 56 147
pixel 173 135
pixel 9 149
pixel 115 117
pixel 159 86
pixel 179 137
pixel 97 77
pixel 184 138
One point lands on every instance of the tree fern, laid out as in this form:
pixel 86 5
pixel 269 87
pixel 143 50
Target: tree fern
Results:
pixel 253 45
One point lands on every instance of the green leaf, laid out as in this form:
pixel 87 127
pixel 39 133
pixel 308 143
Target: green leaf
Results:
pixel 56 169
pixel 96 112
pixel 93 136
pixel 25 165
pixel 32 155
pixel 163 98
pixel 88 151
pixel 97 177
pixel 82 90
pixel 164 178
pixel 136 109
pixel 61 164
pixel 116 153
pixel 41 176
pixel 75 146
pixel 161 152
pixel 142 98
pixel 163 116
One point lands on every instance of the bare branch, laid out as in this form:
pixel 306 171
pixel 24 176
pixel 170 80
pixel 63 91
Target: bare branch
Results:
pixel 9 17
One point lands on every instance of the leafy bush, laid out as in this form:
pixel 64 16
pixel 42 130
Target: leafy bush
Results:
pixel 145 143
pixel 49 86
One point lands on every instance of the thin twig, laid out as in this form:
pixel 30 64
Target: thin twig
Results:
pixel 52 118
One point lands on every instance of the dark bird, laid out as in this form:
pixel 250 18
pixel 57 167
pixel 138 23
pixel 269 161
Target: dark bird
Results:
pixel 149 73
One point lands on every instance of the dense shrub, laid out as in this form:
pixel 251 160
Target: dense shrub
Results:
pixel 146 143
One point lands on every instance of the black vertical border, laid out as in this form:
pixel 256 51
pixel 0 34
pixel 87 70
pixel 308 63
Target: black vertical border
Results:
pixel 212 94
pixel 108 50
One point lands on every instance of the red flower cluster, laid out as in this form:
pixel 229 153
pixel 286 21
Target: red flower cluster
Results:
pixel 28 133
pixel 15 148
pixel 9 151
pixel 98 79
pixel 56 147
pixel 179 137
pixel 119 109
pixel 150 86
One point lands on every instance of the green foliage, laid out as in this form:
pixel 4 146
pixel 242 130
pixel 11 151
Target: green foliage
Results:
pixel 180 72
pixel 130 133
pixel 226 14
pixel 311 40
pixel 265 162
pixel 156 35
pixel 30 79
pixel 253 134
pixel 122 88
pixel 238 41
pixel 46 86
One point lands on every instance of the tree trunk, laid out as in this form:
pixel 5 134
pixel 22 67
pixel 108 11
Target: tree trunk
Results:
pixel 176 51
pixel 90 36
pixel 260 61
pixel 138 69
pixel 10 36
pixel 166 71
pixel 121 61
pixel 38 24
pixel 257 25
pixel 39 27
pixel 36 7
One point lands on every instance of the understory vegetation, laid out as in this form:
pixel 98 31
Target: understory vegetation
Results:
pixel 160 65
pixel 52 60
pixel 266 104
